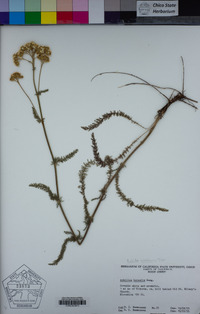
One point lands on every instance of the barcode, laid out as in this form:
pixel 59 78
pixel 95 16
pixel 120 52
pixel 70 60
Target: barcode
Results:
pixel 72 301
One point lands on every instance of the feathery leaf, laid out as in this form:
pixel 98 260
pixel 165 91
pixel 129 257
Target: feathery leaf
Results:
pixel 73 238
pixel 150 208
pixel 96 154
pixel 36 115
pixel 83 172
pixel 45 188
pixel 41 91
pixel 127 148
pixel 107 116
pixel 102 163
pixel 57 160
pixel 62 251
pixel 129 201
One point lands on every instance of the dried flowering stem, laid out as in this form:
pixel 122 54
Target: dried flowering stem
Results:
pixel 31 52
pixel 35 52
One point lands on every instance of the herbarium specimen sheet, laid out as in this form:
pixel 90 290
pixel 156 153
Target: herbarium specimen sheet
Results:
pixel 100 169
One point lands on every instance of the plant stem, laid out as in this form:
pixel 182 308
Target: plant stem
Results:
pixel 158 117
pixel 25 93
pixel 126 154
pixel 137 77
pixel 113 177
pixel 48 143
pixel 160 113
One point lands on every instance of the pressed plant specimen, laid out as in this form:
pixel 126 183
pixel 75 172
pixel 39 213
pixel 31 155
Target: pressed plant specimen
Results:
pixel 37 55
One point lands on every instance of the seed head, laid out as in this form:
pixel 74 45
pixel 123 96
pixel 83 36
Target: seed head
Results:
pixel 43 58
pixel 16 76
pixel 33 50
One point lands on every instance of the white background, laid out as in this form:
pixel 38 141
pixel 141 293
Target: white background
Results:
pixel 164 172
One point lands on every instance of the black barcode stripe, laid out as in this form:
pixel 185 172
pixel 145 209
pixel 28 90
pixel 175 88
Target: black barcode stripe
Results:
pixel 72 302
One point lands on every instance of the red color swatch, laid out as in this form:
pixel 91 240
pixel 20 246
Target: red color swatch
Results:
pixel 64 17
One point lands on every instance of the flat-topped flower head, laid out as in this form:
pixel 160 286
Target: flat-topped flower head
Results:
pixel 43 58
pixel 34 51
pixel 16 76
pixel 44 50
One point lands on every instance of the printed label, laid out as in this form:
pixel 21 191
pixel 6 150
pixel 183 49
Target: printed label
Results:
pixel 158 288
pixel 24 289
pixel 157 8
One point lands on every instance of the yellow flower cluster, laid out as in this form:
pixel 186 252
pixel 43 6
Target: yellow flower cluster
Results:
pixel 32 49
pixel 16 76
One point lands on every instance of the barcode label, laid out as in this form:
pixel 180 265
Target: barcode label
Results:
pixel 72 301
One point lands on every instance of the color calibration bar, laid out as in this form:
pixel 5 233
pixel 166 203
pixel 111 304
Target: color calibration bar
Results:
pixel 29 12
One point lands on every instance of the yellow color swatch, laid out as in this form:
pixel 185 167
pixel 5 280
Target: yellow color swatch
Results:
pixel 48 18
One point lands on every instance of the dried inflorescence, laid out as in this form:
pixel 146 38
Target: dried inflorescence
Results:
pixel 34 50
pixel 16 76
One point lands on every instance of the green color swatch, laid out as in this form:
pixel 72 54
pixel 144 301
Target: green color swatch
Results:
pixel 32 17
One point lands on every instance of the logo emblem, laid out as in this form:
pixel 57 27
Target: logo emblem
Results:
pixel 144 8
pixel 24 288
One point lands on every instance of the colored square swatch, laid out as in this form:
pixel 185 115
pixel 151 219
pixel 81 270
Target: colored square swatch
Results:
pixel 4 6
pixel 64 17
pixel 48 18
pixel 80 17
pixel 32 18
pixel 128 5
pixel 4 18
pixel 112 17
pixel 32 5
pixel 48 5
pixel 16 5
pixel 64 5
pixel 17 18
pixel 96 11
pixel 189 8
pixel 112 5
pixel 127 17
pixel 80 5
